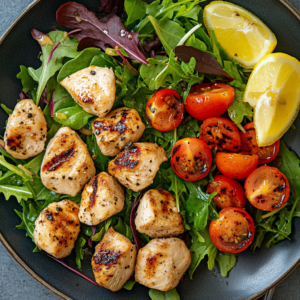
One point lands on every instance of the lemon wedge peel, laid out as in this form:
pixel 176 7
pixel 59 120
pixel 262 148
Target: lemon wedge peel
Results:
pixel 247 42
pixel 273 90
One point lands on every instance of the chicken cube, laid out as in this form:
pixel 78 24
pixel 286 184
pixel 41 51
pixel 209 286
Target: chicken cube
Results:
pixel 26 131
pixel 93 88
pixel 137 166
pixel 118 128
pixel 114 260
pixel 57 228
pixel 67 165
pixel 161 263
pixel 157 215
pixel 101 198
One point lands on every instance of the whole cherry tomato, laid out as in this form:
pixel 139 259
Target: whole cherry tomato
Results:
pixel 249 144
pixel 229 192
pixel 164 110
pixel 209 100
pixel 220 134
pixel 191 159
pixel 267 188
pixel 236 165
pixel 234 231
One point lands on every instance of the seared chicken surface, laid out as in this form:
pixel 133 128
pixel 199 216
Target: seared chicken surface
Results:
pixel 93 88
pixel 157 215
pixel 114 260
pixel 118 128
pixel 137 166
pixel 26 130
pixel 161 263
pixel 57 228
pixel 101 198
pixel 67 165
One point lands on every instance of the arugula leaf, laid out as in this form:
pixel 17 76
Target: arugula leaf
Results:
pixel 129 285
pixel 76 117
pixel 83 60
pixel 226 262
pixel 79 244
pixel 6 109
pixel 189 127
pixel 159 295
pixel 18 191
pixel 52 59
pixel 16 170
pixel 99 235
pixel 191 11
pixel 196 43
pixel 27 82
pixel 169 32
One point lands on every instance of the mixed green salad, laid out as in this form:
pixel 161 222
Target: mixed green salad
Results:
pixel 149 61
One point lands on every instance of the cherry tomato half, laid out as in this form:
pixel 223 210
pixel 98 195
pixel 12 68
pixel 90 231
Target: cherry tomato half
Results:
pixel 164 110
pixel 234 231
pixel 220 134
pixel 236 165
pixel 249 144
pixel 191 159
pixel 209 100
pixel 230 192
pixel 267 188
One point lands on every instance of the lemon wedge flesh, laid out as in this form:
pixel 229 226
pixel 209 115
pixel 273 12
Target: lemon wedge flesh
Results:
pixel 242 35
pixel 273 90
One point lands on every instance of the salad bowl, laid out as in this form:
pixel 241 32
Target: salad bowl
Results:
pixel 254 274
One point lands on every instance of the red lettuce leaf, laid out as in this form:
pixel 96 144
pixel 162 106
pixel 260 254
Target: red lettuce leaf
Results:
pixel 90 242
pixel 108 6
pixel 108 31
pixel 205 62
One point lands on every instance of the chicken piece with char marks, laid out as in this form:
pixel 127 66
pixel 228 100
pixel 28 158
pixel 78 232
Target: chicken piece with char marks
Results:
pixel 161 263
pixel 93 88
pixel 157 215
pixel 101 198
pixel 57 228
pixel 67 165
pixel 114 260
pixel 118 128
pixel 26 131
pixel 137 166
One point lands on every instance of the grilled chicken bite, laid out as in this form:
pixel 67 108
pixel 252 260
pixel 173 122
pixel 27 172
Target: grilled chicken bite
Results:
pixel 93 88
pixel 67 164
pixel 161 263
pixel 137 166
pixel 26 130
pixel 101 198
pixel 114 260
pixel 118 128
pixel 157 215
pixel 57 228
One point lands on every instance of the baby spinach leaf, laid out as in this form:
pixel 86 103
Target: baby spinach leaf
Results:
pixel 103 60
pixel 136 10
pixel 169 32
pixel 52 59
pixel 76 117
pixel 159 295
pixel 83 60
pixel 226 262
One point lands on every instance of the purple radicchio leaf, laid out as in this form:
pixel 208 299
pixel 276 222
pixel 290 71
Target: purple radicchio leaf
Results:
pixel 90 242
pixel 73 270
pixel 136 238
pixel 108 6
pixel 205 62
pixel 23 96
pixel 108 31
pixel 155 44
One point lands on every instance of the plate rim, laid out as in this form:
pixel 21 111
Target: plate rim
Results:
pixel 45 284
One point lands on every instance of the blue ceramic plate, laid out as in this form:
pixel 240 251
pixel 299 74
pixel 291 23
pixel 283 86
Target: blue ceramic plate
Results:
pixel 254 273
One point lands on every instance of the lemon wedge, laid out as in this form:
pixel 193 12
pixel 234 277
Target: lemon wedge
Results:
pixel 242 35
pixel 273 90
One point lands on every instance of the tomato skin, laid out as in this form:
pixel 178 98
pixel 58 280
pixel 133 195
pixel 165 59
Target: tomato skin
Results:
pixel 275 188
pixel 191 159
pixel 220 134
pixel 230 192
pixel 249 144
pixel 208 100
pixel 234 231
pixel 165 110
pixel 236 165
